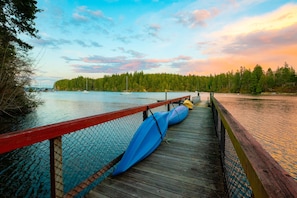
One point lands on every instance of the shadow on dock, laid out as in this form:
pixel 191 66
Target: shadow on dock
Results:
pixel 186 164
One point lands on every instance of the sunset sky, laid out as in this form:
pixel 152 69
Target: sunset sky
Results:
pixel 104 37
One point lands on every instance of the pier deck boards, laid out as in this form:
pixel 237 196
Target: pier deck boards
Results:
pixel 186 164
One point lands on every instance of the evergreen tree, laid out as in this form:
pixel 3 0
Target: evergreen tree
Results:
pixel 236 83
pixel 270 80
pixel 243 81
pixel 16 18
pixel 256 86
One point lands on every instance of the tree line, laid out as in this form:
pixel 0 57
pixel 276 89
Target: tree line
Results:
pixel 16 19
pixel 244 80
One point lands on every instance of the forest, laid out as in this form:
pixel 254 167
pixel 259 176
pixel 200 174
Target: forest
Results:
pixel 17 18
pixel 256 81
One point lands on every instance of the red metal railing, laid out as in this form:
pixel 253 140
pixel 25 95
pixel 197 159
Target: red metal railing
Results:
pixel 53 133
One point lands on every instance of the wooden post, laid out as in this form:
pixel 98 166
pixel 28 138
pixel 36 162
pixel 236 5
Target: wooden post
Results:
pixel 56 167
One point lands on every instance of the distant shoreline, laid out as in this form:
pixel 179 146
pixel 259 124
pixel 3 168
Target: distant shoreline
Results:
pixel 278 94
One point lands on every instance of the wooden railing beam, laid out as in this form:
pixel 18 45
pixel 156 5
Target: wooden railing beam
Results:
pixel 266 177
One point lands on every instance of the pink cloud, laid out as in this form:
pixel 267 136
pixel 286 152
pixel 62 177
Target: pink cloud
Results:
pixel 158 60
pixel 97 64
pixel 199 17
pixel 270 48
pixel 196 17
pixel 268 40
pixel 182 57
pixel 262 40
pixel 130 66
pixel 266 57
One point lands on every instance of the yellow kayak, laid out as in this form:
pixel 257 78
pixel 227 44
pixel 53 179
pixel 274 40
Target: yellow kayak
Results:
pixel 188 104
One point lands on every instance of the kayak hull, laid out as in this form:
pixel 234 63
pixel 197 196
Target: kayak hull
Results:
pixel 177 114
pixel 145 140
pixel 188 104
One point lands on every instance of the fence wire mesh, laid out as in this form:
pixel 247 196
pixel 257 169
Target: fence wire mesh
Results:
pixel 25 172
pixel 236 180
pixel 77 157
pixel 88 150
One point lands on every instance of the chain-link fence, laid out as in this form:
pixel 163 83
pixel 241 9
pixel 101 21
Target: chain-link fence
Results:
pixel 73 162
pixel 235 178
pixel 88 150
pixel 25 172
pixel 249 170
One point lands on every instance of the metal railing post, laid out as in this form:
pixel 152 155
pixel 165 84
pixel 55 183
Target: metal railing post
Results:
pixel 145 114
pixel 56 166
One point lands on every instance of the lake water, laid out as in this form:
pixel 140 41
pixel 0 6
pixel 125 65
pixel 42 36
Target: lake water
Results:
pixel 270 119
pixel 64 105
pixel 25 172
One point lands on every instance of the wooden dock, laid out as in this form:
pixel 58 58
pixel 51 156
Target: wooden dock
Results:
pixel 186 164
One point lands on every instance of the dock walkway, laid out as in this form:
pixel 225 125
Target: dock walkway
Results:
pixel 186 164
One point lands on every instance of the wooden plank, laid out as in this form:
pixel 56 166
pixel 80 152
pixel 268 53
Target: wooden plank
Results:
pixel 180 187
pixel 161 158
pixel 187 165
pixel 188 174
pixel 201 167
pixel 137 187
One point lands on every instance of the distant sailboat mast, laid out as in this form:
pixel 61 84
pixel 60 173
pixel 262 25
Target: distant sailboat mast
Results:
pixel 127 83
pixel 86 90
pixel 126 91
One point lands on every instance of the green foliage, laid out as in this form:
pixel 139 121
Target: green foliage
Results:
pixel 14 76
pixel 16 18
pixel 243 81
pixel 255 85
pixel 285 75
pixel 246 81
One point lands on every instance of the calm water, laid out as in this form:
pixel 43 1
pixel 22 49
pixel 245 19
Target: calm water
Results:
pixel 25 172
pixel 61 106
pixel 272 120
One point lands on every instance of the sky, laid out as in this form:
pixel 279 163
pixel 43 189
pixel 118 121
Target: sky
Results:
pixel 104 37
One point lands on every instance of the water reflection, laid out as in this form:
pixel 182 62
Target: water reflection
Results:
pixel 271 120
pixel 24 172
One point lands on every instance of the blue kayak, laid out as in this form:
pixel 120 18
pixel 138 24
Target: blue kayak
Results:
pixel 145 140
pixel 177 114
